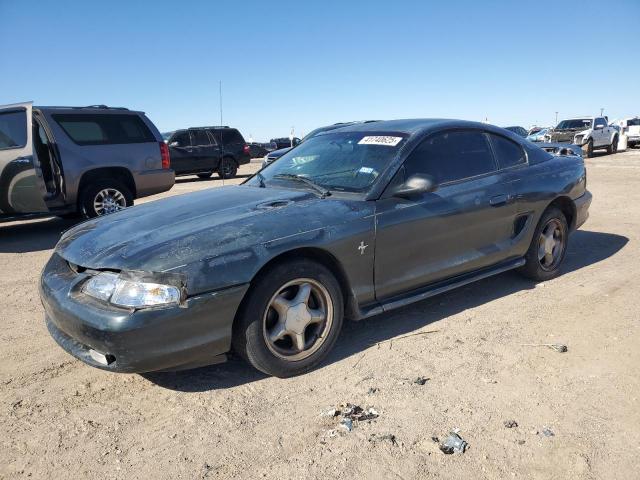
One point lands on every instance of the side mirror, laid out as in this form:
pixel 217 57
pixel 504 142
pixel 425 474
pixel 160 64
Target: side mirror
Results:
pixel 174 144
pixel 415 185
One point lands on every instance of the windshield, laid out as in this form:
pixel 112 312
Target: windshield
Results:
pixel 349 161
pixel 570 124
pixel 539 133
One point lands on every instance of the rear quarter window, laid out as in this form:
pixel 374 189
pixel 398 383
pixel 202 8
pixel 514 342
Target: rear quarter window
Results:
pixel 507 152
pixel 104 129
pixel 13 129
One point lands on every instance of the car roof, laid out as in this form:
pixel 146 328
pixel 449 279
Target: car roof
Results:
pixel 413 126
pixel 87 109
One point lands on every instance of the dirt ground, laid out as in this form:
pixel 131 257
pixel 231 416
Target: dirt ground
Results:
pixel 62 419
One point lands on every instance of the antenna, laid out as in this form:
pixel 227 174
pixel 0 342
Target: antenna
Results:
pixel 221 135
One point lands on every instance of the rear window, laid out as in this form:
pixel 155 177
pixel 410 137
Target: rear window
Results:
pixel 104 129
pixel 228 136
pixel 507 152
pixel 13 129
pixel 634 122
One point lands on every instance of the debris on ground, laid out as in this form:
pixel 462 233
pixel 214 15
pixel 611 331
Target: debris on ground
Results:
pixel 510 423
pixel 372 390
pixel 387 437
pixel 347 424
pixel 454 443
pixel 421 380
pixel 547 432
pixel 349 415
pixel 558 347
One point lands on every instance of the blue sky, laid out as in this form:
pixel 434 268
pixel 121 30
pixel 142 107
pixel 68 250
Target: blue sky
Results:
pixel 307 64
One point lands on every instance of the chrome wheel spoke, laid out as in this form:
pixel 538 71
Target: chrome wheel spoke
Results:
pixel 317 316
pixel 304 291
pixel 278 332
pixel 280 305
pixel 541 250
pixel 548 259
pixel 298 341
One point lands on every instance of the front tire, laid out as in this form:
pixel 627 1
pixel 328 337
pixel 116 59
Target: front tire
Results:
pixel 588 153
pixel 613 148
pixel 548 247
pixel 291 319
pixel 103 197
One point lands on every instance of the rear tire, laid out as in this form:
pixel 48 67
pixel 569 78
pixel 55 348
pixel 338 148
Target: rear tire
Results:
pixel 290 319
pixel 613 148
pixel 104 196
pixel 227 168
pixel 548 247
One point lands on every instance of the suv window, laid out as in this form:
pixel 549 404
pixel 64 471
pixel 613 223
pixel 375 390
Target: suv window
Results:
pixel 600 122
pixel 228 136
pixel 450 156
pixel 507 152
pixel 634 122
pixel 182 138
pixel 200 137
pixel 212 139
pixel 13 129
pixel 103 129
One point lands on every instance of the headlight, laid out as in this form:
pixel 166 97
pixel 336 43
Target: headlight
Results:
pixel 112 288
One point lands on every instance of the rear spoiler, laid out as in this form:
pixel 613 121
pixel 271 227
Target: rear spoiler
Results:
pixel 563 149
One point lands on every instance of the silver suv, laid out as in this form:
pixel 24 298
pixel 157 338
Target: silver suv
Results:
pixel 70 161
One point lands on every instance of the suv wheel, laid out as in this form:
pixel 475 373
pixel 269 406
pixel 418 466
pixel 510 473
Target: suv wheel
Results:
pixel 103 197
pixel 548 247
pixel 588 153
pixel 290 320
pixel 613 148
pixel 228 168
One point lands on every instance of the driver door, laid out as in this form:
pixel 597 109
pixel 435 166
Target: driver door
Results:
pixel 465 225
pixel 21 189
pixel 600 132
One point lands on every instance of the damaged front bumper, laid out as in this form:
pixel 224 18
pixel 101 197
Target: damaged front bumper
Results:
pixel 190 335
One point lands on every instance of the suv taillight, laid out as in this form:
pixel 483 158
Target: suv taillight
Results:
pixel 246 149
pixel 164 154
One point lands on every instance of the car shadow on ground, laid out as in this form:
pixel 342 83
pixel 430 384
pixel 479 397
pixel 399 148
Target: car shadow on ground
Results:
pixel 33 235
pixel 586 248
pixel 213 178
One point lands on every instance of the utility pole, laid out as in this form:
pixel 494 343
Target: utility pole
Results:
pixel 556 118
pixel 601 111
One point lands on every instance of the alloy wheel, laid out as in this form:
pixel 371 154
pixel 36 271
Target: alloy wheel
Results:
pixel 551 245
pixel 109 200
pixel 298 319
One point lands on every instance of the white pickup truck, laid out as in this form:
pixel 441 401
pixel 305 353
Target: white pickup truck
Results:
pixel 631 128
pixel 590 133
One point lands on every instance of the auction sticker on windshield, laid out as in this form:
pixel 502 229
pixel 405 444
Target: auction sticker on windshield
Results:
pixel 380 140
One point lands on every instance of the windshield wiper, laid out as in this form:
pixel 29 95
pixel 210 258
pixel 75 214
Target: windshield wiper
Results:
pixel 260 179
pixel 299 178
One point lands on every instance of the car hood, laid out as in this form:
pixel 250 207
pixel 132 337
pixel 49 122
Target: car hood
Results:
pixel 215 227
pixel 278 153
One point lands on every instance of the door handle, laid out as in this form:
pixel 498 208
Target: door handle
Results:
pixel 499 200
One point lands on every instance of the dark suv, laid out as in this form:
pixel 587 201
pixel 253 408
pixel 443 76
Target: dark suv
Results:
pixel 69 161
pixel 204 150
